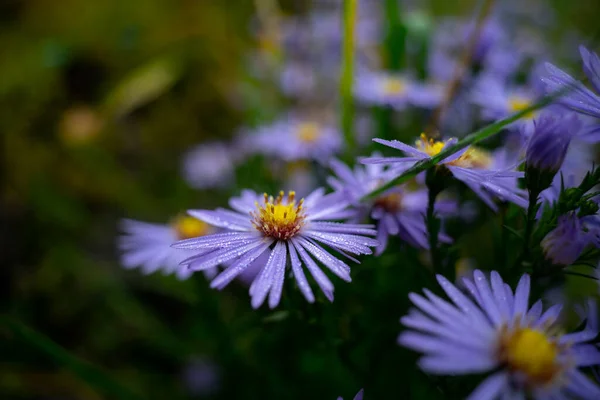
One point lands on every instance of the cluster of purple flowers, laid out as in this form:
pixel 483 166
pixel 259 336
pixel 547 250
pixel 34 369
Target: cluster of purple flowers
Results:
pixel 486 327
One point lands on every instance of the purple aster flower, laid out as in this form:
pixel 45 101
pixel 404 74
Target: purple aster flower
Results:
pixel 503 60
pixel 491 329
pixel 208 165
pixel 442 64
pixel 550 141
pixel 491 36
pixel 577 97
pixel 493 49
pixel 326 28
pixel 398 212
pixel 288 230
pixel 295 138
pixel 547 148
pixel 564 244
pixel 499 100
pixel 480 171
pixel 359 395
pixel 148 246
pixel 394 90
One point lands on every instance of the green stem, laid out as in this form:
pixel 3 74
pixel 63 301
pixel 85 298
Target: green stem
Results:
pixel 347 74
pixel 433 230
pixel 529 224
pixel 436 180
pixel 395 36
pixel 503 236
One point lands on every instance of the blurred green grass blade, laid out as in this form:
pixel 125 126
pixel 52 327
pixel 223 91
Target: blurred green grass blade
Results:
pixel 395 36
pixel 468 140
pixel 84 370
pixel 346 81
pixel 142 85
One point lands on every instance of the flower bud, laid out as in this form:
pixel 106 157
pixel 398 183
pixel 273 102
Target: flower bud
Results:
pixel 547 148
pixel 564 244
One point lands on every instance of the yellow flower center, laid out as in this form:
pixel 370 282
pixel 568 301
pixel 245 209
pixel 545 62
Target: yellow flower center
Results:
pixel 278 218
pixel 430 146
pixel 188 227
pixel 309 132
pixel 471 158
pixel 394 86
pixel 518 103
pixel 532 353
pixel 391 202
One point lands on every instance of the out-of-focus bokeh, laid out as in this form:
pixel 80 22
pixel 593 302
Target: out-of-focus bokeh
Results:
pixel 102 107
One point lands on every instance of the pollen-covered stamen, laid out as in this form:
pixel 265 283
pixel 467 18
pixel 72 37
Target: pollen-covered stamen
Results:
pixel 428 145
pixel 279 218
pixel 530 352
pixel 187 227
pixel 472 158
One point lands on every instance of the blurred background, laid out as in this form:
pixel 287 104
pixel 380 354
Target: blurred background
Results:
pixel 102 104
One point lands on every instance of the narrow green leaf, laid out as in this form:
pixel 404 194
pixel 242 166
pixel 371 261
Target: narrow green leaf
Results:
pixel 468 140
pixel 86 371
pixel 142 85
pixel 513 231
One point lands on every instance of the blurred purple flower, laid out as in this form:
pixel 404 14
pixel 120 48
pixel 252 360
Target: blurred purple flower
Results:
pixel 493 49
pixel 398 212
pixel 148 246
pixel 300 177
pixel 208 165
pixel 294 138
pixel 395 90
pixel 498 100
pixel 494 330
pixel 201 377
pixel 298 79
pixel 284 228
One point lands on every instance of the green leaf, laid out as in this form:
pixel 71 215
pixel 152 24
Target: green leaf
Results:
pixel 143 85
pixel 468 140
pixel 277 316
pixel 580 275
